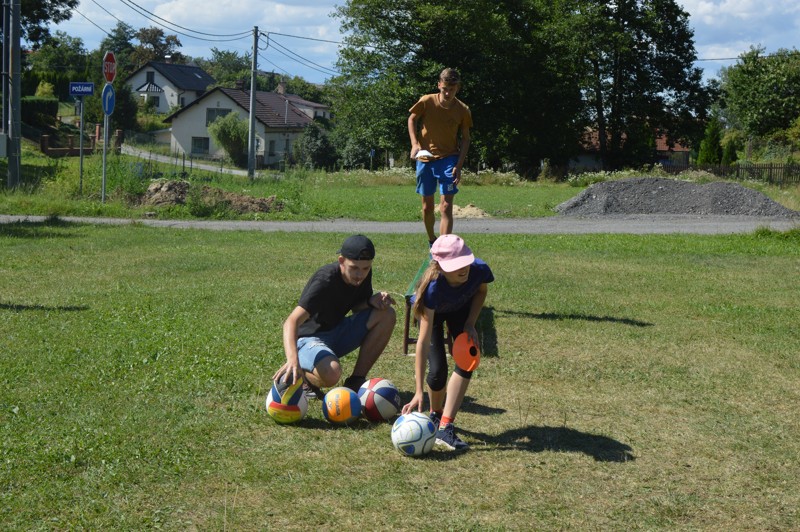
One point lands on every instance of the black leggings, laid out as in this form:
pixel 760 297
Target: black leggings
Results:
pixel 437 356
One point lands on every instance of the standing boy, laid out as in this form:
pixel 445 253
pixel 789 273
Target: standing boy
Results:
pixel 438 152
pixel 319 330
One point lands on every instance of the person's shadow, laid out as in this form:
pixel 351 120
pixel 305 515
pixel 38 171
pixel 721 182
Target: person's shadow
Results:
pixel 537 439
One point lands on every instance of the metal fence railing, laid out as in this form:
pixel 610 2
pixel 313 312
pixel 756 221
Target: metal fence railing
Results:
pixel 773 173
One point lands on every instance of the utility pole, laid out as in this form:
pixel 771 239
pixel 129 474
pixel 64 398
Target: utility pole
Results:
pixel 251 141
pixel 14 87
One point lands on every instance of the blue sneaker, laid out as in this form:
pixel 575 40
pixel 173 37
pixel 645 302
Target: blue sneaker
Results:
pixel 446 436
pixel 436 418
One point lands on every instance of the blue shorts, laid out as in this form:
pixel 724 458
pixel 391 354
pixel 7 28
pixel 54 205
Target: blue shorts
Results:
pixel 441 170
pixel 337 342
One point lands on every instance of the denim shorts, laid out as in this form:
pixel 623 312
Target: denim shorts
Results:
pixel 342 339
pixel 441 171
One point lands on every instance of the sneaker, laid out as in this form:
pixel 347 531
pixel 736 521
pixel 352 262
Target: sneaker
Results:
pixel 436 418
pixel 354 382
pixel 312 392
pixel 446 436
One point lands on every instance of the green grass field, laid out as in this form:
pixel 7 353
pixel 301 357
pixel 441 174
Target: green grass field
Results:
pixel 628 382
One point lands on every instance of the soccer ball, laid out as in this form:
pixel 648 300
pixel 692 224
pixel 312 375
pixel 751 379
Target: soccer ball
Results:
pixel 413 434
pixel 380 399
pixel 289 408
pixel 341 405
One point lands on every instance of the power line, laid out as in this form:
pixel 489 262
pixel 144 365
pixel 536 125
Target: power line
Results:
pixel 91 22
pixel 305 61
pixel 147 14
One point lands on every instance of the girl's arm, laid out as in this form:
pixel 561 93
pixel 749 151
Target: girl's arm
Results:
pixel 421 361
pixel 475 311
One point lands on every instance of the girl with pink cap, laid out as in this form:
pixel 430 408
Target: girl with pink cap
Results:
pixel 452 291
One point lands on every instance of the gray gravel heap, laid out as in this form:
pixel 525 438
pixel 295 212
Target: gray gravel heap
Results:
pixel 648 195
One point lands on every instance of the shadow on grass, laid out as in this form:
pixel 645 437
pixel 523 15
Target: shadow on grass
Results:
pixel 555 317
pixel 20 308
pixel 41 229
pixel 557 439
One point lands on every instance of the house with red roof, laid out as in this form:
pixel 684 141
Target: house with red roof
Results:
pixel 279 119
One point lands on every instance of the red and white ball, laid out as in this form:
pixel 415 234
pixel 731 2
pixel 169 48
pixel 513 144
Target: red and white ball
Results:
pixel 380 399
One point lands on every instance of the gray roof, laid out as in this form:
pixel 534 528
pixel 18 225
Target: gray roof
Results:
pixel 272 109
pixel 185 77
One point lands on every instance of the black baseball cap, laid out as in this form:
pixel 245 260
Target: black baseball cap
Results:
pixel 357 247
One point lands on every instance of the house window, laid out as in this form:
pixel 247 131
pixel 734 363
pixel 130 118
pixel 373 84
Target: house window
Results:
pixel 151 77
pixel 183 101
pixel 212 114
pixel 154 102
pixel 200 145
pixel 271 148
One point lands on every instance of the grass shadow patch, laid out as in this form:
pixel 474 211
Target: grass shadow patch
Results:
pixel 558 439
pixel 555 316
pixel 16 307
pixel 43 229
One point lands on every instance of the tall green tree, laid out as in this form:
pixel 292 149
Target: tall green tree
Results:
pixel 37 15
pixel 761 93
pixel 524 98
pixel 155 45
pixel 637 58
pixel 119 41
pixel 711 147
pixel 58 61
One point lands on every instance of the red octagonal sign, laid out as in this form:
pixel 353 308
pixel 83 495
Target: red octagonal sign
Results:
pixel 109 66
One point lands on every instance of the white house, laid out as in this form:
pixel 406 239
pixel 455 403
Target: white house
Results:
pixel 168 85
pixel 280 118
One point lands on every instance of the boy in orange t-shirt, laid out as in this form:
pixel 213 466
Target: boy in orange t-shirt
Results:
pixel 437 150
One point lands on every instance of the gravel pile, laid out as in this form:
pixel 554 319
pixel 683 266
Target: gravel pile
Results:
pixel 646 195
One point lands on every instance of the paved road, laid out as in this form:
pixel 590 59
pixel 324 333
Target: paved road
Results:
pixel 634 224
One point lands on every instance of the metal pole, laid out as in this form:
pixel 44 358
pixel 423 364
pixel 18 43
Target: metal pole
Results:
pixel 80 182
pixel 105 145
pixel 15 119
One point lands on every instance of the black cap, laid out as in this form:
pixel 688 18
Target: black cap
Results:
pixel 357 247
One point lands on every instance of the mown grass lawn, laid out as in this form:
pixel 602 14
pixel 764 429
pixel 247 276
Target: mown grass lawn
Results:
pixel 628 382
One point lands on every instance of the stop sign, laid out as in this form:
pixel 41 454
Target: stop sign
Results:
pixel 109 66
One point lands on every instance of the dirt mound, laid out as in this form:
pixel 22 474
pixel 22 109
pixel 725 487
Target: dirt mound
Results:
pixel 645 195
pixel 163 193
pixel 469 211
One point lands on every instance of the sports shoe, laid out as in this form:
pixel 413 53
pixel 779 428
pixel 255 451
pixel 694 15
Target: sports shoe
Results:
pixel 312 392
pixel 446 436
pixel 354 382
pixel 436 418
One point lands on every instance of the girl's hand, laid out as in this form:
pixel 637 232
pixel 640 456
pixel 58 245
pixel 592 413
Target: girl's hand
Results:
pixel 415 403
pixel 472 332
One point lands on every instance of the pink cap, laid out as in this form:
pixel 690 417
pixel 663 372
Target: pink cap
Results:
pixel 451 253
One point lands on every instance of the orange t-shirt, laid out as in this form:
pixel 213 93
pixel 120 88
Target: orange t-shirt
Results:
pixel 440 126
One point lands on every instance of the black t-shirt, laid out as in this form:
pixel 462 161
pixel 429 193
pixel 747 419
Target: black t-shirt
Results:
pixel 328 299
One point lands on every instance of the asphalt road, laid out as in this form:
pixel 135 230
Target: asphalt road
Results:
pixel 630 224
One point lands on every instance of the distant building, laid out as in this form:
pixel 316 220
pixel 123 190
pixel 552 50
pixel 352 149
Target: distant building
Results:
pixel 168 85
pixel 589 160
pixel 280 119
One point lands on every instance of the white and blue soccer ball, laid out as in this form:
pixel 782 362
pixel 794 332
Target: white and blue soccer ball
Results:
pixel 414 434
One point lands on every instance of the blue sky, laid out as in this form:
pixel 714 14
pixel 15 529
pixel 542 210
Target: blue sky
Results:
pixel 724 29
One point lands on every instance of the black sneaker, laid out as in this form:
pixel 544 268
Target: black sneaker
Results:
pixel 312 392
pixel 446 436
pixel 354 382
pixel 436 418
